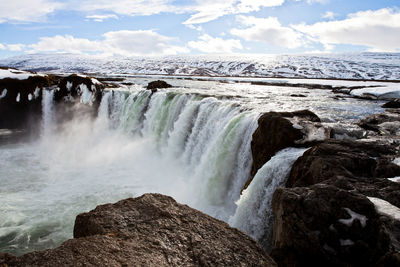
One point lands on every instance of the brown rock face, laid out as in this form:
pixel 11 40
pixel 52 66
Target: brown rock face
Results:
pixel 323 225
pixel 342 158
pixel 152 230
pixel 276 131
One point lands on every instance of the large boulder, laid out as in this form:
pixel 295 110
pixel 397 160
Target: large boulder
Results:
pixel 395 103
pixel 154 85
pixel 335 158
pixel 323 225
pixel 151 230
pixel 279 130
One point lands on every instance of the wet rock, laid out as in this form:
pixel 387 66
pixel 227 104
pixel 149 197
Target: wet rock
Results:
pixel 323 225
pixel 298 95
pixel 343 158
pixel 154 85
pixel 151 230
pixel 20 101
pixel 392 104
pixel 384 124
pixel 76 95
pixel 75 86
pixel 279 130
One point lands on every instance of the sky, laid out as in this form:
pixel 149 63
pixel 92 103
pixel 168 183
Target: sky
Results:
pixel 168 27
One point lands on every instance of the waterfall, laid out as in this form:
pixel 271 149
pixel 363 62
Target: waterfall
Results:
pixel 253 214
pixel 47 110
pixel 210 138
pixel 202 143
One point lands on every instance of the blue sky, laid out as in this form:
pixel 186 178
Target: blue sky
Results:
pixel 167 27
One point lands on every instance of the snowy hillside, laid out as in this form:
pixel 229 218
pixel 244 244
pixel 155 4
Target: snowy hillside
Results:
pixel 378 66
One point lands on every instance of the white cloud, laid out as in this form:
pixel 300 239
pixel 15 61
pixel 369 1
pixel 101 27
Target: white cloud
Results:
pixel 26 10
pixel 123 7
pixel 317 1
pixel 208 10
pixel 100 18
pixel 267 30
pixel 125 43
pixel 201 10
pixel 138 43
pixel 208 44
pixel 379 30
pixel 328 15
pixel 66 43
pixel 2 47
pixel 15 47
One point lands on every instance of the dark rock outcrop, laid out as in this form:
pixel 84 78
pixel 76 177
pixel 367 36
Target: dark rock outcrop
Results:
pixel 395 103
pixel 74 85
pixel 21 101
pixel 325 216
pixel 279 130
pixel 343 158
pixel 323 225
pixel 384 124
pixel 151 230
pixel 74 90
pixel 154 85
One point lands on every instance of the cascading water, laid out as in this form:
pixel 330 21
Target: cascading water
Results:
pixel 210 139
pixel 47 107
pixel 253 214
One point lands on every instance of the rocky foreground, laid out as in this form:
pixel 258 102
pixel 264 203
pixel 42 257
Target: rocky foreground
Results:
pixel 151 230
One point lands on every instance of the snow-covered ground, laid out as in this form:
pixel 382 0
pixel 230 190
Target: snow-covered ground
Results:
pixel 367 66
pixel 15 74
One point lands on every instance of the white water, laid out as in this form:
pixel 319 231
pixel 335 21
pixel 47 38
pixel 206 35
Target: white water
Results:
pixel 254 214
pixel 192 148
pixel 47 111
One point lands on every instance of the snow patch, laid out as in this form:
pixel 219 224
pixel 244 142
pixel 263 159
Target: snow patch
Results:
pixel 95 81
pixel 396 161
pixel 296 126
pixel 395 179
pixel 385 208
pixel 16 74
pixel 18 97
pixel 353 216
pixel 3 93
pixel 30 97
pixel 381 92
